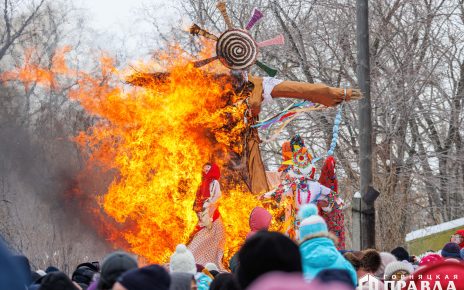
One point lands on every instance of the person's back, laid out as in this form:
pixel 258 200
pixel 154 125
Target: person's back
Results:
pixel 317 247
pixel 10 273
pixel 320 253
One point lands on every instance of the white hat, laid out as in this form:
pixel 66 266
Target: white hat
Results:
pixel 386 258
pixel 182 261
pixel 211 267
pixel 394 267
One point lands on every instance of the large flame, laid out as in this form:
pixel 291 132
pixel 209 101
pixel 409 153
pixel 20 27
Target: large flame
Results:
pixel 156 139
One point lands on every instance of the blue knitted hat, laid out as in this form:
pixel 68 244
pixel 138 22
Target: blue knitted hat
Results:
pixel 311 223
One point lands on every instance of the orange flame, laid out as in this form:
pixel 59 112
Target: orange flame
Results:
pixel 157 138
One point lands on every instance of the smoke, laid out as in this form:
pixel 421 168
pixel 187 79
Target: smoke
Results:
pixel 41 215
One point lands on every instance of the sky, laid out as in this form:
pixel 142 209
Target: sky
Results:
pixel 110 14
pixel 114 21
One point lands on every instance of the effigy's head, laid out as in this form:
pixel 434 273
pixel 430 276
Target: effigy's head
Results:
pixel 237 49
pixel 300 161
pixel 206 168
pixel 296 143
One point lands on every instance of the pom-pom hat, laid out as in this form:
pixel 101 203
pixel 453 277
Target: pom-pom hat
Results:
pixel 182 261
pixel 311 224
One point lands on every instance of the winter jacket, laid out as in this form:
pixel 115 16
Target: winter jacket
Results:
pixel 203 281
pixel 318 252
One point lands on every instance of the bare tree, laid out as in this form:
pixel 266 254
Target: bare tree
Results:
pixel 417 90
pixel 38 161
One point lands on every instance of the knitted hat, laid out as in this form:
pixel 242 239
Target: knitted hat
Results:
pixel 394 267
pixel 211 267
pixel 451 250
pixel 84 273
pixel 57 281
pixel 260 219
pixel 401 254
pixel 311 223
pixel 430 259
pixel 182 261
pixel 152 277
pixel 276 280
pixel 267 252
pixel 291 281
pixel 386 258
pixel 114 265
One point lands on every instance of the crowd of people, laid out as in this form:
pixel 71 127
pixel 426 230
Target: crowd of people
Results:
pixel 266 260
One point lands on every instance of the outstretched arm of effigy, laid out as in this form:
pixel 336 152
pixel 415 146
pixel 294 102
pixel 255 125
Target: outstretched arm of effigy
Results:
pixel 316 93
pixel 282 190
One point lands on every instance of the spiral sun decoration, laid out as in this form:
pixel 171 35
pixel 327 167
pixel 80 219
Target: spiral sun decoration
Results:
pixel 236 49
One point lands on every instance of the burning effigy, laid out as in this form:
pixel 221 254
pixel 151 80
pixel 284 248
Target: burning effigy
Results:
pixel 156 136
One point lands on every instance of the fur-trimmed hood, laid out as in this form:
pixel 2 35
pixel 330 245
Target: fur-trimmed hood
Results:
pixel 320 235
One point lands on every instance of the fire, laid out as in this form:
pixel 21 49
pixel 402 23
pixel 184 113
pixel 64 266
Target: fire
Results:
pixel 155 139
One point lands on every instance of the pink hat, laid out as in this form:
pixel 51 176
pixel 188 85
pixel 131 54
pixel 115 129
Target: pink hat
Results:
pixel 260 219
pixel 292 281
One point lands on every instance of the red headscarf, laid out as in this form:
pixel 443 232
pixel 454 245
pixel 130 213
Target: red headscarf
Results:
pixel 203 192
pixel 328 177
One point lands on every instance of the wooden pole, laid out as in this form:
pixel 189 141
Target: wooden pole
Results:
pixel 367 231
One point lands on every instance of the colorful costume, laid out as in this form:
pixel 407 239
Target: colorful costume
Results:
pixel 335 219
pixel 207 242
pixel 298 186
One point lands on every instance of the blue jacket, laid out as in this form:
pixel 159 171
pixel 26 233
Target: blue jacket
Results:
pixel 320 253
pixel 11 275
